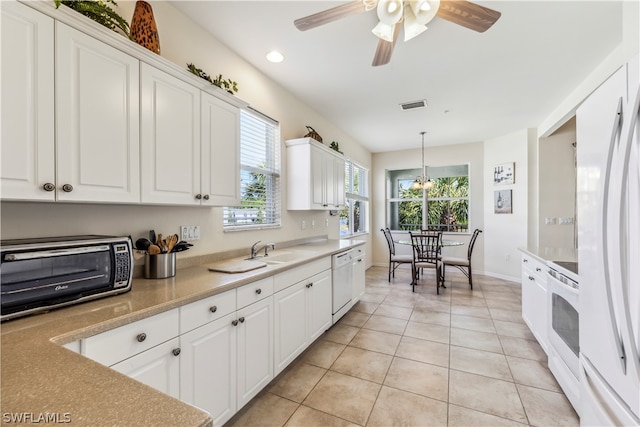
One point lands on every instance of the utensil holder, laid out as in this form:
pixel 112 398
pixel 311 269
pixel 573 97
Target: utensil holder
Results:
pixel 160 266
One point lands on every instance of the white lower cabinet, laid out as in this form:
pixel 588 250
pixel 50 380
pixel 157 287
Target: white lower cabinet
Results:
pixel 534 298
pixel 302 314
pixel 208 368
pixel 359 272
pixel 158 367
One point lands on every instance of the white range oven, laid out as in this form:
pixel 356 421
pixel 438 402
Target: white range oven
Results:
pixel 563 327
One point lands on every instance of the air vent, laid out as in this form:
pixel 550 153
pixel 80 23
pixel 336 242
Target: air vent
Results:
pixel 414 104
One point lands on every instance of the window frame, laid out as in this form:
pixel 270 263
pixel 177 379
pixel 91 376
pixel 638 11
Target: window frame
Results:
pixel 352 197
pixel 272 170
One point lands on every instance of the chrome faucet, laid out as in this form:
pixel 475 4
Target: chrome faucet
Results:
pixel 255 249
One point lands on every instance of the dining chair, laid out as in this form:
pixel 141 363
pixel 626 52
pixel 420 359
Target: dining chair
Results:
pixel 462 264
pixel 426 254
pixel 394 260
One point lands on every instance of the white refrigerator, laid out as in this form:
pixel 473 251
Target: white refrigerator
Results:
pixel 609 250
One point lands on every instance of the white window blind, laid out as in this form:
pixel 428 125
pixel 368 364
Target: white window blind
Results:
pixel 353 218
pixel 259 174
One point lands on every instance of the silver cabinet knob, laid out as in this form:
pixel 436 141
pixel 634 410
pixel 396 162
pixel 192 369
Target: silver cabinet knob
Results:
pixel 67 188
pixel 176 351
pixel 198 196
pixel 258 291
pixel 49 187
pixel 234 323
pixel 213 309
pixel 141 337
pixel 206 197
pixel 241 320
pixel 530 277
pixel 309 285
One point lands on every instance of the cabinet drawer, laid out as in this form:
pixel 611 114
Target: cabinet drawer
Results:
pixel 291 277
pixel 118 344
pixel 207 310
pixel 255 291
pixel 534 268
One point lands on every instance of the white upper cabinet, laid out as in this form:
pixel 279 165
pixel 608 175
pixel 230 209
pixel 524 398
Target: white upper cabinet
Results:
pixel 97 116
pixel 315 176
pixel 28 154
pixel 170 139
pixel 220 152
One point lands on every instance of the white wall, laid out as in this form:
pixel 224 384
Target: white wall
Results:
pixel 471 154
pixel 505 233
pixel 182 41
pixel 557 186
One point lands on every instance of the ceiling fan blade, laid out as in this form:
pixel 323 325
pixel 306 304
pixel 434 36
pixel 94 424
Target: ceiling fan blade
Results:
pixel 329 15
pixel 385 49
pixel 473 16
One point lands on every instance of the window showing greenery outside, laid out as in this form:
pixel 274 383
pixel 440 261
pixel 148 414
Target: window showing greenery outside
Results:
pixel 444 207
pixel 353 218
pixel 259 175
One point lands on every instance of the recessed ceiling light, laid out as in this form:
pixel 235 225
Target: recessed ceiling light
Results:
pixel 275 56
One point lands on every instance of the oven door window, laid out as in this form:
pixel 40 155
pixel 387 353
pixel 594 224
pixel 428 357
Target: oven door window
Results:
pixel 31 278
pixel 564 320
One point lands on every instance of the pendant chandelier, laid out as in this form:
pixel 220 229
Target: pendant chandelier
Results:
pixel 422 182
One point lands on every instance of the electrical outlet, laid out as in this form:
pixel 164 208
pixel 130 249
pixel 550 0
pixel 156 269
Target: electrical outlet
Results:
pixel 326 223
pixel 184 232
pixel 549 221
pixel 189 232
pixel 303 224
pixel 313 223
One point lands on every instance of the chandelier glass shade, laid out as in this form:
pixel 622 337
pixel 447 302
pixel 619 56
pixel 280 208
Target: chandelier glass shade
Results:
pixel 414 13
pixel 422 182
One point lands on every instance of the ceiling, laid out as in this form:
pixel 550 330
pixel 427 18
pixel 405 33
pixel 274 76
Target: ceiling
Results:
pixel 477 85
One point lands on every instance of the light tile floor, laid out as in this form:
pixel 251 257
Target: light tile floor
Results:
pixel 461 358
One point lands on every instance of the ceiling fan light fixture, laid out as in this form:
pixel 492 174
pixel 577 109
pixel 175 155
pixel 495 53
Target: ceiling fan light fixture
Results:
pixel 412 27
pixel 390 11
pixel 419 6
pixel 384 31
pixel 425 15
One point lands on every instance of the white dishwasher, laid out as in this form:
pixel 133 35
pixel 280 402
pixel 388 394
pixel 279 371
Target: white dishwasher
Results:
pixel 342 269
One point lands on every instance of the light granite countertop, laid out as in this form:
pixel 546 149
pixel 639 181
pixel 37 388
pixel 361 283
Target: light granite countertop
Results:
pixel 544 254
pixel 40 378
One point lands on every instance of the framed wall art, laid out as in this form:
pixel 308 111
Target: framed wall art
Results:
pixel 504 174
pixel 502 202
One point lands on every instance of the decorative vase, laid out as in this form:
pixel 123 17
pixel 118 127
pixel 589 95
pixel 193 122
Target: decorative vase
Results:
pixel 143 27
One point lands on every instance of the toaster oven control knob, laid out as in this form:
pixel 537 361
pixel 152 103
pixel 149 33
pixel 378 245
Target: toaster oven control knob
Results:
pixel 213 308
pixel 49 187
pixel 176 351
pixel 141 337
pixel 67 188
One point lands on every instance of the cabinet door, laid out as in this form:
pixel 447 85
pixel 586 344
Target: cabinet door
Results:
pixel 290 307
pixel 170 139
pixel 208 368
pixel 338 182
pixel 318 180
pixel 27 103
pixel 220 152
pixel 319 305
pixel 158 367
pixel 359 274
pixel 97 120
pixel 255 349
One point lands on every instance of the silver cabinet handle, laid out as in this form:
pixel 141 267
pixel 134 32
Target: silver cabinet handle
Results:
pixel 198 196
pixel 213 309
pixel 141 337
pixel 49 187
pixel 258 291
pixel 176 351
pixel 67 188
pixel 234 323
pixel 206 197
pixel 241 320
pixel 538 269
pixel 525 260
pixel 531 278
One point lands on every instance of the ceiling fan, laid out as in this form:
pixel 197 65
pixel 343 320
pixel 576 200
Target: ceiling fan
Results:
pixel 415 14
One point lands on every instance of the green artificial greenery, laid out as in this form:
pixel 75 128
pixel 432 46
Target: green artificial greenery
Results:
pixel 99 11
pixel 226 84
pixel 335 146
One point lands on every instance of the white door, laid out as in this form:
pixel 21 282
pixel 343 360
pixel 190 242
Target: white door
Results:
pixel 255 349
pixel 28 156
pixel 170 139
pixel 97 119
pixel 158 367
pixel 220 152
pixel 319 305
pixel 208 368
pixel 290 312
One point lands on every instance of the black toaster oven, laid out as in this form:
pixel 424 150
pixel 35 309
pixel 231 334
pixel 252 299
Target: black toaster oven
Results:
pixel 45 273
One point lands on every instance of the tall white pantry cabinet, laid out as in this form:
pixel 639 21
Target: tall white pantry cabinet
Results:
pixel 124 126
